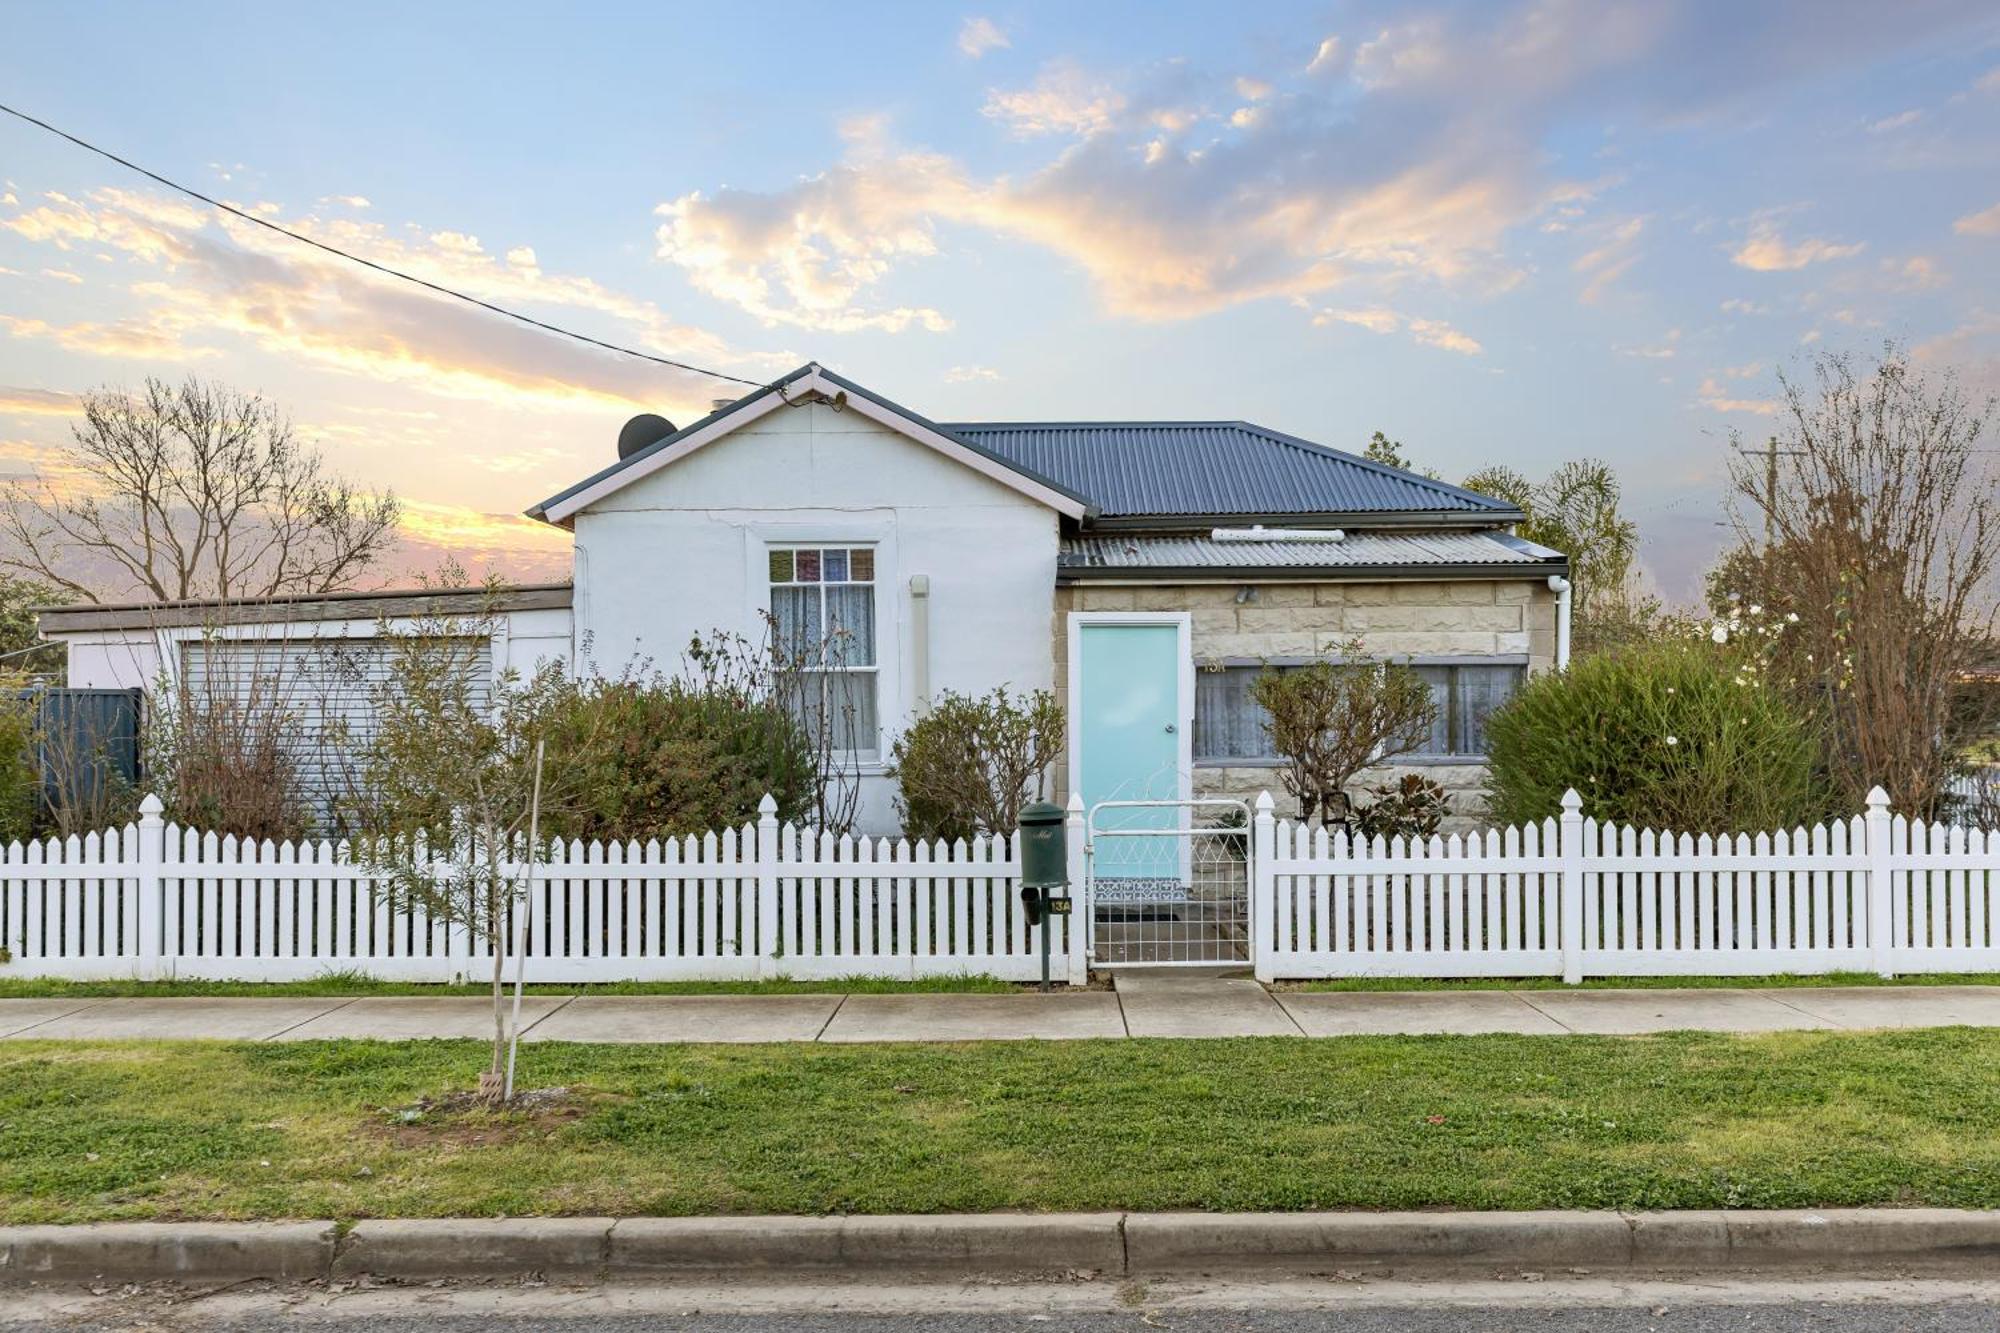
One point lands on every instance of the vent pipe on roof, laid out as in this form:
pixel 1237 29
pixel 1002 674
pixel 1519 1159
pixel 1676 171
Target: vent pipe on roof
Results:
pixel 1259 533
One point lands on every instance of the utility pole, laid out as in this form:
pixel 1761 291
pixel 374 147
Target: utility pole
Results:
pixel 1772 453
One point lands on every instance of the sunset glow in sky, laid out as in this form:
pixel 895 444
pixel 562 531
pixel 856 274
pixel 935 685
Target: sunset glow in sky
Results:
pixel 1502 233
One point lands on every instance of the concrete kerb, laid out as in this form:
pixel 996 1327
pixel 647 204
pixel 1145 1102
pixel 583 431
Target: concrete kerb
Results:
pixel 1852 1240
pixel 166 1251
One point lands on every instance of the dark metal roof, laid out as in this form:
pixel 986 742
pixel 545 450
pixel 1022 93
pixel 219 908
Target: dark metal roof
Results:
pixel 1141 469
pixel 1138 470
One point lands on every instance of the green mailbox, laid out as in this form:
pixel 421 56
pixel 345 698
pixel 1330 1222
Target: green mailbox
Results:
pixel 1044 871
pixel 1044 857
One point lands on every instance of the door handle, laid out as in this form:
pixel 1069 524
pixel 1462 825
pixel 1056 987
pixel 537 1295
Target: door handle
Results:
pixel 1170 726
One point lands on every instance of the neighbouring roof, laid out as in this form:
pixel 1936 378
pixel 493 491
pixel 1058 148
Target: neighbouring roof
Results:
pixel 1120 472
pixel 1358 554
pixel 1180 469
pixel 304 608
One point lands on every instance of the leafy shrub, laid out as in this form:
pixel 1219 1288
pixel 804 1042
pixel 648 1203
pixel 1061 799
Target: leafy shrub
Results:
pixel 1411 807
pixel 970 764
pixel 1682 735
pixel 1334 717
pixel 677 758
pixel 20 778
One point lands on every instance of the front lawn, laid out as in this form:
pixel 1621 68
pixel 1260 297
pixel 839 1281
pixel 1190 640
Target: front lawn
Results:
pixel 99 1131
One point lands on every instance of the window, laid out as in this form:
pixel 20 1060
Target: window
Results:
pixel 1229 723
pixel 823 609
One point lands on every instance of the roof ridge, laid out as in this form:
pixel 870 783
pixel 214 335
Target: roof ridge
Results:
pixel 1101 422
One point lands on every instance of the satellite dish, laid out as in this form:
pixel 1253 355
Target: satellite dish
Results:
pixel 642 430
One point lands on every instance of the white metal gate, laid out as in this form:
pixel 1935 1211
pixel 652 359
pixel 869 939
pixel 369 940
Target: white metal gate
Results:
pixel 1168 882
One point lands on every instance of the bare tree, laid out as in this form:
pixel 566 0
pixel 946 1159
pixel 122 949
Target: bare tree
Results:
pixel 1882 541
pixel 192 491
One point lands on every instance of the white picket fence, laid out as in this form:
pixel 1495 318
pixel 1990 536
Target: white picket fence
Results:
pixel 1568 897
pixel 1571 897
pixel 156 900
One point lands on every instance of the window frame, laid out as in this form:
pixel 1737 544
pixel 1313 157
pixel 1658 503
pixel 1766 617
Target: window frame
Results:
pixel 870 755
pixel 1442 759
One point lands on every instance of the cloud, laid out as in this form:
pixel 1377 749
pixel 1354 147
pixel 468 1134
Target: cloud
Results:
pixel 16 401
pixel 1253 89
pixel 1664 350
pixel 1175 196
pixel 1717 397
pixel 63 275
pixel 1375 319
pixel 157 337
pixel 972 375
pixel 979 35
pixel 1917 273
pixel 1901 120
pixel 215 276
pixel 1437 333
pixel 346 201
pixel 528 551
pixel 1615 250
pixel 804 257
pixel 1765 250
pixel 1986 222
pixel 1062 100
pixel 1736 305
pixel 1428 332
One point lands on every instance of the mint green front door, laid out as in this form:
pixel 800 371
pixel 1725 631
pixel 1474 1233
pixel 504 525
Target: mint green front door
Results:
pixel 1129 741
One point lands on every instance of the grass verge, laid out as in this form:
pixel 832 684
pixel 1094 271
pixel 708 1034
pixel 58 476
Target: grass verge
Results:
pixel 1810 1119
pixel 1781 980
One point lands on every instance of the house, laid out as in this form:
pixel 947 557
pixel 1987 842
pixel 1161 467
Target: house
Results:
pixel 1143 570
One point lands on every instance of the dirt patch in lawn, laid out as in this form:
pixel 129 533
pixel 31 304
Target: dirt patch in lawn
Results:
pixel 467 1120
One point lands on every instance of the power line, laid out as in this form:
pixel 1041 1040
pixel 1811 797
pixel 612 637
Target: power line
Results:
pixel 369 263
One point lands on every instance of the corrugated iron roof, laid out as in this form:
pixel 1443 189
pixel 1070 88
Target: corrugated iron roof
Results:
pixel 1195 551
pixel 1180 468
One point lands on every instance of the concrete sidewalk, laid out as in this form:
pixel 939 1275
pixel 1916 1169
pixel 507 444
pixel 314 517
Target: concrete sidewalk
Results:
pixel 1158 1004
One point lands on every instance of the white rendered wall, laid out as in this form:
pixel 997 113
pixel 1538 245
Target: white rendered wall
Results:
pixel 682 552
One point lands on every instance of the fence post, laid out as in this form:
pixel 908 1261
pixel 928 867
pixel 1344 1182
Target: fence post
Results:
pixel 1263 887
pixel 1571 847
pixel 1080 921
pixel 768 943
pixel 1881 890
pixel 150 888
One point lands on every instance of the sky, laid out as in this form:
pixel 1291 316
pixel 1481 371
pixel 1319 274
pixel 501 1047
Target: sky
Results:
pixel 1502 233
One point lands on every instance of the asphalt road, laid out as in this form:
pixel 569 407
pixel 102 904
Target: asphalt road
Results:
pixel 1906 1309
pixel 1803 1318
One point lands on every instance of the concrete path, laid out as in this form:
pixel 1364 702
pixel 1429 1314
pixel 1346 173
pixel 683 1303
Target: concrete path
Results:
pixel 1145 1004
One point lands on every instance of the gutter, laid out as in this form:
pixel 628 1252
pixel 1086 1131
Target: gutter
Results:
pixel 1318 518
pixel 1438 573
